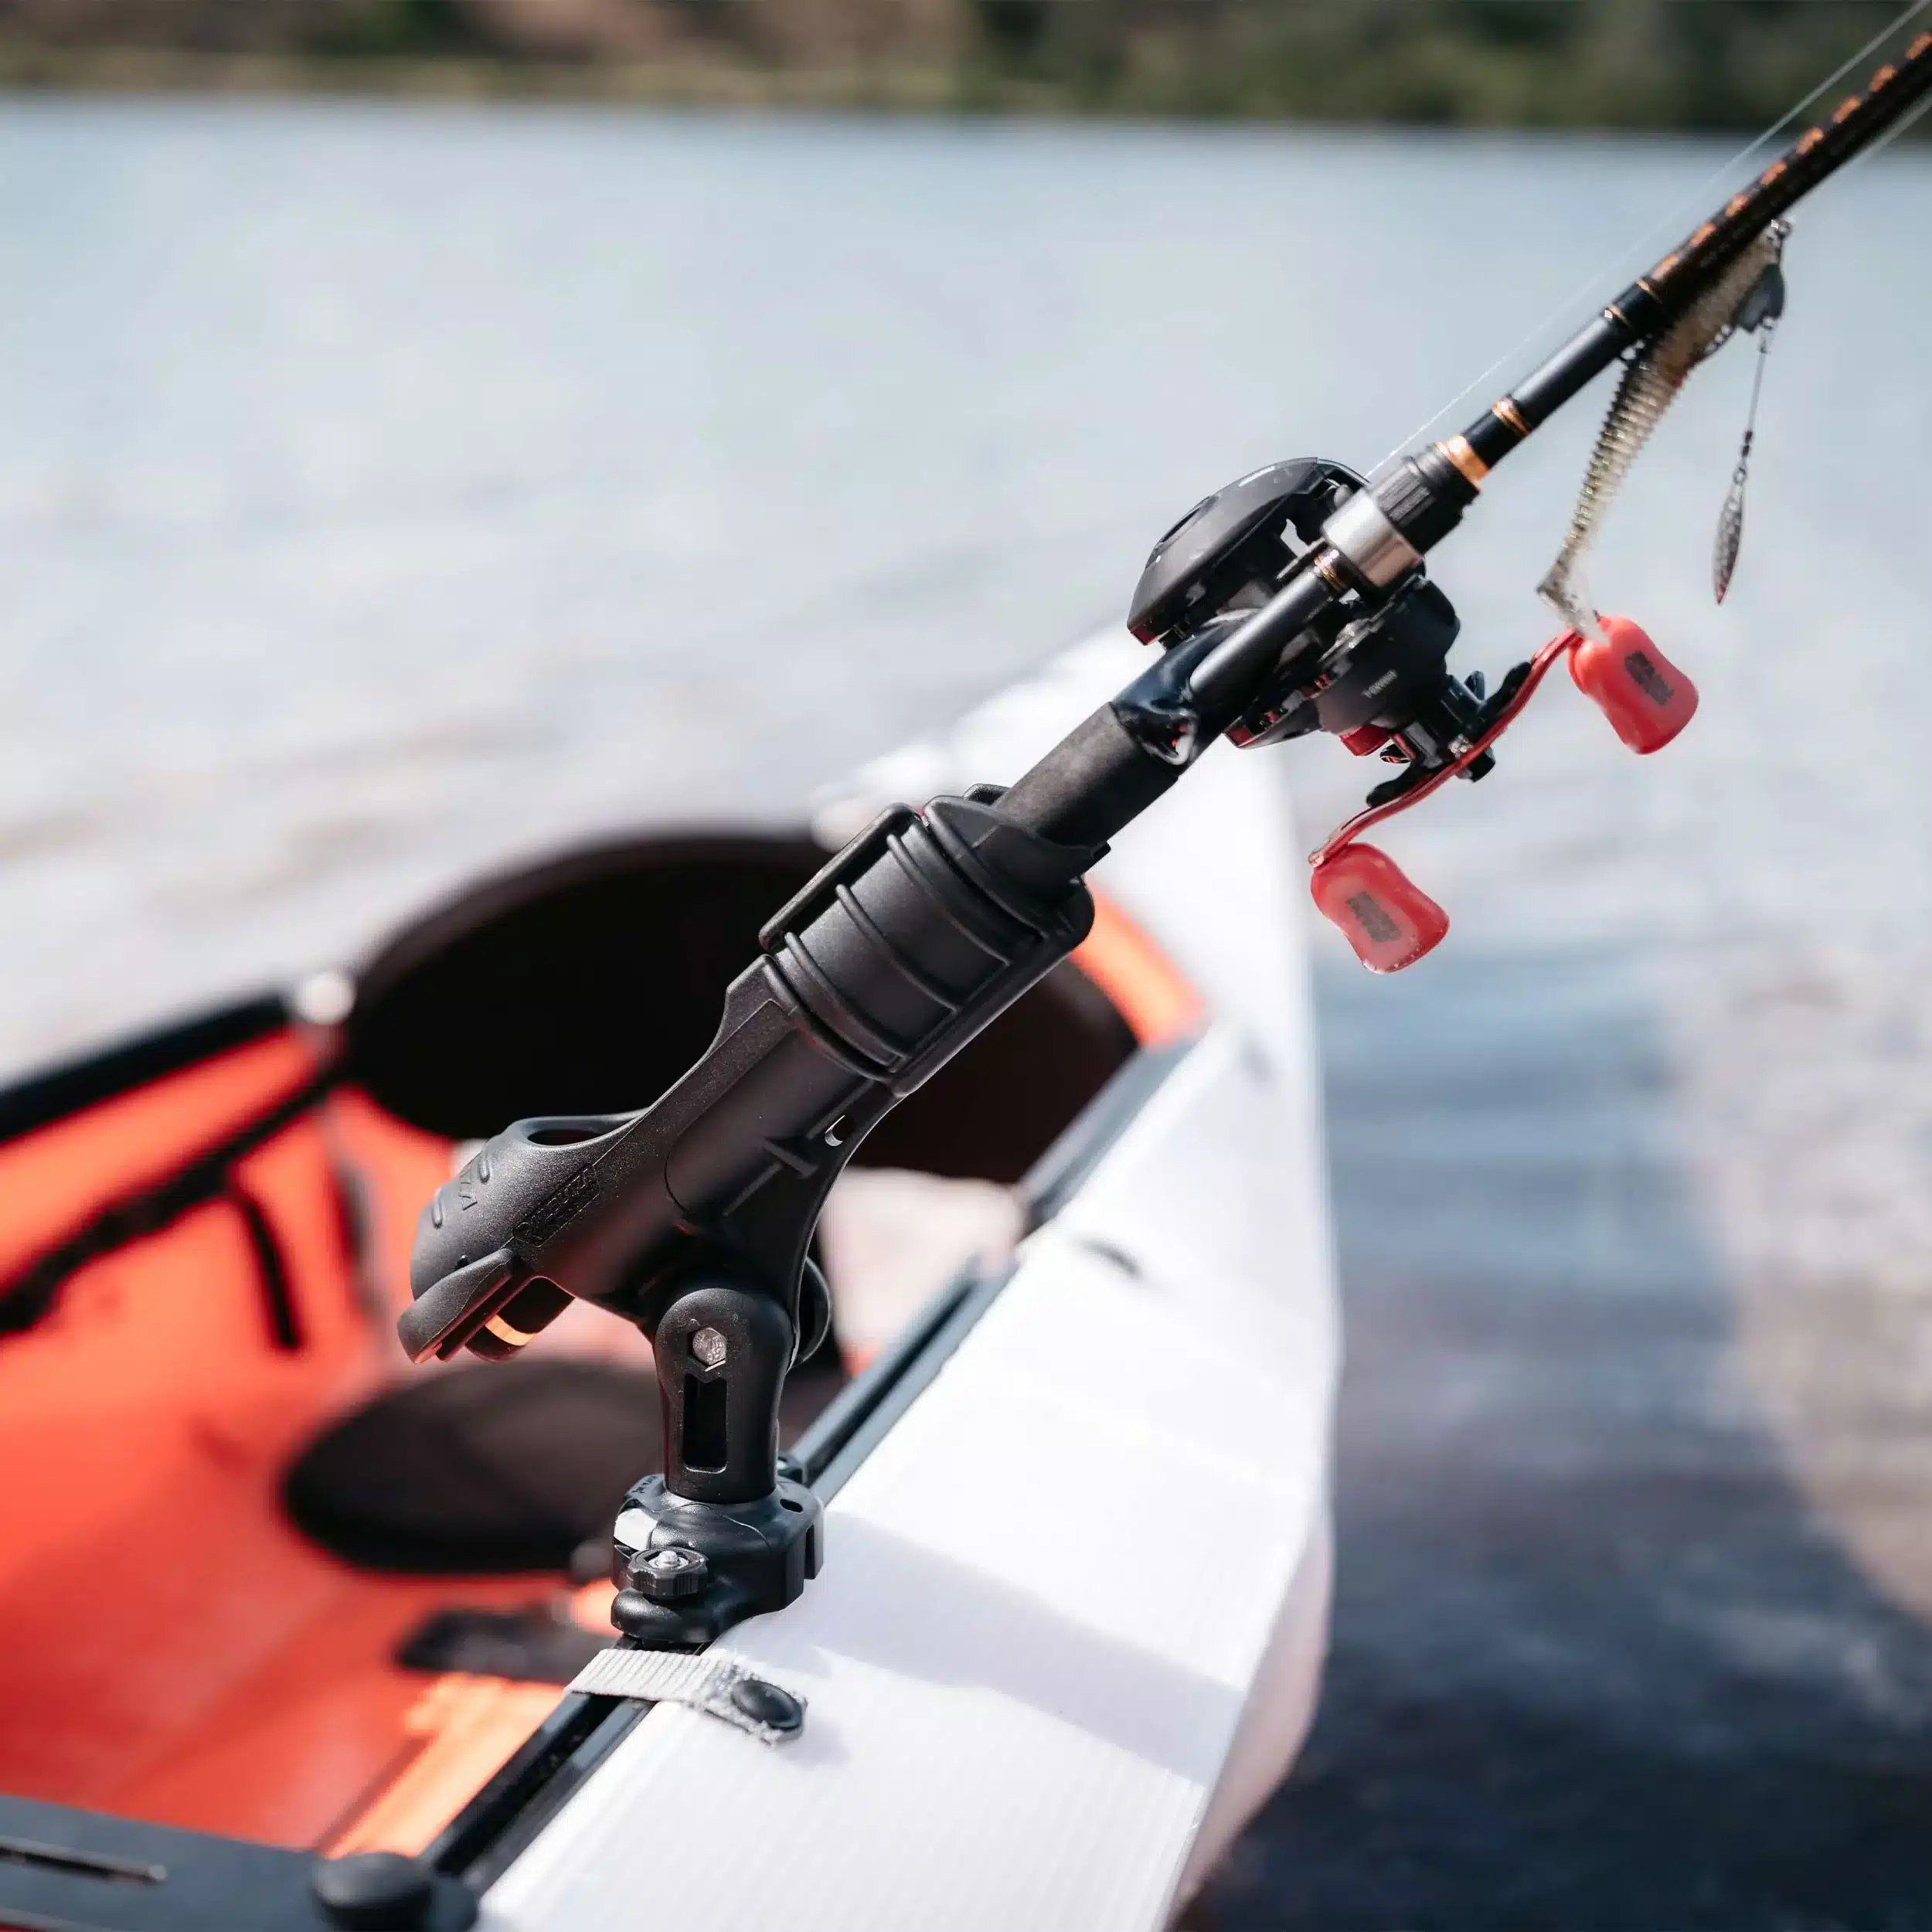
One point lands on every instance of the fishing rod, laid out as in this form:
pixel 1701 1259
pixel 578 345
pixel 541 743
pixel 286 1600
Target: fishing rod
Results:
pixel 1292 601
pixel 1342 633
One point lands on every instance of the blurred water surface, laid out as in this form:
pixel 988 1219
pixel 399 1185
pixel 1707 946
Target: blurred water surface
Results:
pixel 385 491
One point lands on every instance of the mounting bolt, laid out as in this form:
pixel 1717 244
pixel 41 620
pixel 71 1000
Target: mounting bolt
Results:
pixel 668 1574
pixel 708 1345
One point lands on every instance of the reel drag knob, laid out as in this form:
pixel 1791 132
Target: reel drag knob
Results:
pixel 1648 700
pixel 1391 923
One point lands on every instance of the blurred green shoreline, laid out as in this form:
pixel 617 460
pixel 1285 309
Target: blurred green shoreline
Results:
pixel 691 82
pixel 1651 65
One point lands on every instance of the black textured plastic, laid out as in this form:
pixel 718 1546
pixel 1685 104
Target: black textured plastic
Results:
pixel 760 1554
pixel 1424 498
pixel 1232 547
pixel 918 935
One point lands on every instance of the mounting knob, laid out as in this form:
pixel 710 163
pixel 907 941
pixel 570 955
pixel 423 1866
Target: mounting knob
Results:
pixel 385 1891
pixel 667 1574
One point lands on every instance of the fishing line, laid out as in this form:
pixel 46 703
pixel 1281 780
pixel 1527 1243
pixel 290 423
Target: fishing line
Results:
pixel 1665 221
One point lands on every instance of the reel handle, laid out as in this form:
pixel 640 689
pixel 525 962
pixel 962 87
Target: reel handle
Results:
pixel 1646 698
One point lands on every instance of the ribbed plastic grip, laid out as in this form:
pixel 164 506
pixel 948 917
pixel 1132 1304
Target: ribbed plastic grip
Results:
pixel 1424 498
pixel 912 939
pixel 886 959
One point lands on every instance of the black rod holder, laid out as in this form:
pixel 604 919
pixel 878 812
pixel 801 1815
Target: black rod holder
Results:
pixel 692 1218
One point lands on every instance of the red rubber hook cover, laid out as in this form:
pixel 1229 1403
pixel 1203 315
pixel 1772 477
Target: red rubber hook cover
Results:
pixel 1363 892
pixel 1646 698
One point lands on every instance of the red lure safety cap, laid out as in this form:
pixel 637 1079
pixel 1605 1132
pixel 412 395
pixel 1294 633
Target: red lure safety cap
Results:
pixel 1646 698
pixel 1366 894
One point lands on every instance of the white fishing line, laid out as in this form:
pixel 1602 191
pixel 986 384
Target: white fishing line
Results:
pixel 1665 223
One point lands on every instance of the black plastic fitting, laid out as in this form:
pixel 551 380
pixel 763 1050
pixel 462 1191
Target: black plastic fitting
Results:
pixel 756 1556
pixel 1424 497
pixel 918 935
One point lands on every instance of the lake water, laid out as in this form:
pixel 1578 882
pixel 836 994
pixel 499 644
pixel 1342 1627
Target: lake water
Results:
pixel 386 490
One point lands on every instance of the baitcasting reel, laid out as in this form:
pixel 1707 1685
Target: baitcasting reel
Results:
pixel 1371 669
pixel 1372 672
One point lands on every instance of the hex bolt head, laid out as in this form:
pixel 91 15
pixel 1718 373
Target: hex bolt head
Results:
pixel 708 1347
pixel 668 1574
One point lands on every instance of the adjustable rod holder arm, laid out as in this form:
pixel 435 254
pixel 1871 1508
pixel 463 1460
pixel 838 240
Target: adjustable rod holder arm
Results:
pixel 910 941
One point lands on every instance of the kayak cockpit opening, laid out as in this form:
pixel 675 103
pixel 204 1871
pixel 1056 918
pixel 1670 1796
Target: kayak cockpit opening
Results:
pixel 374 1581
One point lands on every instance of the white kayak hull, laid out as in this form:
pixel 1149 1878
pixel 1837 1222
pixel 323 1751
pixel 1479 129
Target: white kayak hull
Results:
pixel 1069 1632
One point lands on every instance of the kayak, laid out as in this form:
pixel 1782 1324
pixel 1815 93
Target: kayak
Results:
pixel 267 1591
